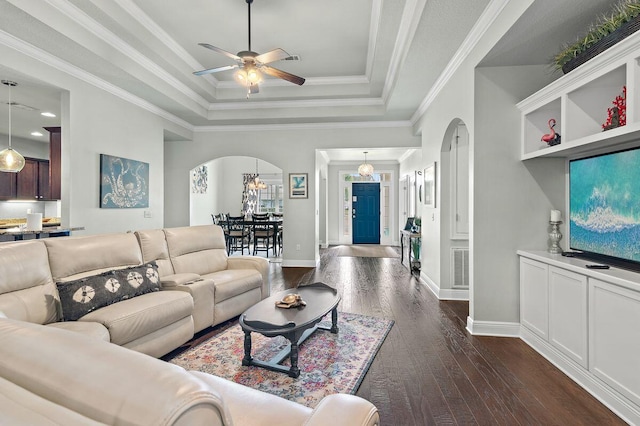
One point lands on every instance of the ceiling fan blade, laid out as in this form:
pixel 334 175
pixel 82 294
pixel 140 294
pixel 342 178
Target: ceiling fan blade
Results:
pixel 253 88
pixel 212 70
pixel 283 75
pixel 272 56
pixel 224 52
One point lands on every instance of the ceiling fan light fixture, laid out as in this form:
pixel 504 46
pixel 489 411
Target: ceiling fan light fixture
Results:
pixel 241 76
pixel 253 75
pixel 365 169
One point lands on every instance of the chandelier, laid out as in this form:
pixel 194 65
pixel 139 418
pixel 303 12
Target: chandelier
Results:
pixel 10 160
pixel 256 183
pixel 365 169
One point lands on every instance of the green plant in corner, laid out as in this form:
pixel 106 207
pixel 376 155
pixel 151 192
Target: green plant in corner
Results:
pixel 623 12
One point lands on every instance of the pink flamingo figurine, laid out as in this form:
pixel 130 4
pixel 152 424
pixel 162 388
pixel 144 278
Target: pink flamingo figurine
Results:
pixel 552 138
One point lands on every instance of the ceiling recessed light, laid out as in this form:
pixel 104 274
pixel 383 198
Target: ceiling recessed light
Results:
pixel 36 134
pixel 48 114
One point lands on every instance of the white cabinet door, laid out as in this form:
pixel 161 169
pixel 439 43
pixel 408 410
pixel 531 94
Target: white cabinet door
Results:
pixel 614 337
pixel 568 330
pixel 534 296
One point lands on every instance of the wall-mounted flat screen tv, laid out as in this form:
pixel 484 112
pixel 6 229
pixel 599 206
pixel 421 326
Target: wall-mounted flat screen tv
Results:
pixel 604 207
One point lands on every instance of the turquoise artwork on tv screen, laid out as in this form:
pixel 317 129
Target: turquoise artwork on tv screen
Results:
pixel 605 205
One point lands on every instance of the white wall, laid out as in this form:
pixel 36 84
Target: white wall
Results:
pixel 507 204
pixel 27 147
pixel 510 197
pixel 224 193
pixel 95 122
pixel 291 149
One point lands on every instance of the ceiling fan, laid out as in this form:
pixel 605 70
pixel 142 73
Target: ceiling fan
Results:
pixel 250 64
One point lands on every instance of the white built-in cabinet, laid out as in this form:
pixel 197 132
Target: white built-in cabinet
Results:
pixel 579 100
pixel 586 322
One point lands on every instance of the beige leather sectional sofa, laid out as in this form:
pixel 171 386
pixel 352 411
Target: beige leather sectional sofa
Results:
pixel 102 367
pixel 211 287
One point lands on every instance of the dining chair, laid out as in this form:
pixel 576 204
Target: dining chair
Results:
pixel 220 219
pixel 263 234
pixel 280 232
pixel 239 234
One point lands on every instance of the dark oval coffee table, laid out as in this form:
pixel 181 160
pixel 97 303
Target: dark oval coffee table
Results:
pixel 295 324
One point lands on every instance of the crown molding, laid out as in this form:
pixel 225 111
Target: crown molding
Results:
pixel 406 155
pixel 125 48
pixel 374 26
pixel 57 63
pixel 312 81
pixel 302 103
pixel 489 15
pixel 156 30
pixel 411 16
pixel 304 126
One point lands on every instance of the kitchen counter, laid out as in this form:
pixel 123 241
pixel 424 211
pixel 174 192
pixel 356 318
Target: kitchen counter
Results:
pixel 18 232
pixel 12 223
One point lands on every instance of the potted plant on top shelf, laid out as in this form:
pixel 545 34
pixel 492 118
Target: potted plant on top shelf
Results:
pixel 604 33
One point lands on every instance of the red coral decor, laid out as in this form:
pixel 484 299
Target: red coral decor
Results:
pixel 617 115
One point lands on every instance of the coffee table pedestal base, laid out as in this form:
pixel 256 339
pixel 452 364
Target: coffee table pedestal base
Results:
pixel 290 351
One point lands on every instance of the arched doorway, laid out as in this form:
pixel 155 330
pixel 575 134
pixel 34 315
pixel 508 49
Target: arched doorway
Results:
pixel 217 186
pixel 455 191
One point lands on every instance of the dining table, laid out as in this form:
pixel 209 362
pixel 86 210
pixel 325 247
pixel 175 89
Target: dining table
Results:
pixel 275 225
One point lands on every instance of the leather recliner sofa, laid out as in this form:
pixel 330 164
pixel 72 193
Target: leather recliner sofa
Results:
pixel 154 323
pixel 50 376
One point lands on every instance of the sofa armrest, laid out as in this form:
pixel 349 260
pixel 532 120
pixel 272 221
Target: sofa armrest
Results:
pixel 105 382
pixel 179 279
pixel 342 409
pixel 202 291
pixel 260 264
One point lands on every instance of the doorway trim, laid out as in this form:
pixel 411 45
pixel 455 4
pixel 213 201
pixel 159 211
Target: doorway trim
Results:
pixel 389 186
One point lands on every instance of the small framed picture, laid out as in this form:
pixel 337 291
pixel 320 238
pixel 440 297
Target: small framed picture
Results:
pixel 298 185
pixel 430 185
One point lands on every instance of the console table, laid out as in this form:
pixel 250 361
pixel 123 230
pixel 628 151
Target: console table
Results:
pixel 409 236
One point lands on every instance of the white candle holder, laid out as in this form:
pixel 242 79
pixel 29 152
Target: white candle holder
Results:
pixel 555 235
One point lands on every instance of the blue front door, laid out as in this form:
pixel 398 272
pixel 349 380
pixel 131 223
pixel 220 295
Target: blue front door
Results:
pixel 365 213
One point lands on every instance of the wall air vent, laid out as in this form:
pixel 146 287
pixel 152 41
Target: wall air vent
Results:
pixel 460 267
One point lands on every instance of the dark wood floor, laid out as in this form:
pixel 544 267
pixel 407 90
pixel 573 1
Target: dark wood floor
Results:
pixel 430 371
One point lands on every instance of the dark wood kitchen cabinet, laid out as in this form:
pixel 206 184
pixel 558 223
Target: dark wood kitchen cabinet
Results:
pixel 39 179
pixel 55 159
pixel 7 186
pixel 32 183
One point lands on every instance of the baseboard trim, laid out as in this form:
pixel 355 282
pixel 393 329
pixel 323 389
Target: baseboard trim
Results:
pixel 601 391
pixel 444 293
pixel 300 263
pixel 493 328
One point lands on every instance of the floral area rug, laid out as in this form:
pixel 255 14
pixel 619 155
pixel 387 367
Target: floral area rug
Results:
pixel 329 363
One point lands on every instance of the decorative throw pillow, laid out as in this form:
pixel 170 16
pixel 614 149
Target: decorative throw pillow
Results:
pixel 85 295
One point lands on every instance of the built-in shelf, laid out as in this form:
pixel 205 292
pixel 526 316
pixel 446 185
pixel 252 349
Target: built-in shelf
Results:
pixel 579 101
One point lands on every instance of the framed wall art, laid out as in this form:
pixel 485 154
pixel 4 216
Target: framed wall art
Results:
pixel 298 185
pixel 430 185
pixel 124 183
pixel 199 177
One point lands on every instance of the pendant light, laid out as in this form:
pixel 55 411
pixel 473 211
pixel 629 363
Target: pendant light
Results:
pixel 10 160
pixel 256 183
pixel 365 169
